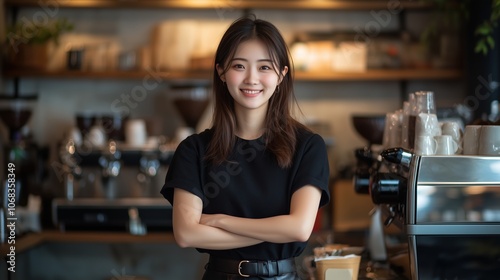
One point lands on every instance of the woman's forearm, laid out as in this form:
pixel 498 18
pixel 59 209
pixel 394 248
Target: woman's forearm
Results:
pixel 278 229
pixel 296 226
pixel 189 232
pixel 207 237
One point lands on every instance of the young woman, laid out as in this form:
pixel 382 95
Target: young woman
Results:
pixel 247 190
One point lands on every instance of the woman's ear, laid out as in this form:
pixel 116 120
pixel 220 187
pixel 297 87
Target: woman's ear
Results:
pixel 283 74
pixel 220 71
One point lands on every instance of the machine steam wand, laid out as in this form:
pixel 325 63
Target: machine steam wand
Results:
pixel 71 168
pixel 111 165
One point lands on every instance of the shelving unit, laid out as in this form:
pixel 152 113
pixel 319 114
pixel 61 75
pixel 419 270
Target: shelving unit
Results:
pixel 402 75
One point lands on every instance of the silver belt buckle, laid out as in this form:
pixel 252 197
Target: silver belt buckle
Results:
pixel 239 269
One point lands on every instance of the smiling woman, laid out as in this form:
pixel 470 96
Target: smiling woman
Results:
pixel 247 190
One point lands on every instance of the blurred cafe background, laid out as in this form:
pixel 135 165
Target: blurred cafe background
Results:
pixel 95 96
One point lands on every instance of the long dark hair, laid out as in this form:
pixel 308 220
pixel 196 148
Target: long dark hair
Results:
pixel 280 127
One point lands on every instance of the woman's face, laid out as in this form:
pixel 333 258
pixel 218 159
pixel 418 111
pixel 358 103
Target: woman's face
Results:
pixel 251 76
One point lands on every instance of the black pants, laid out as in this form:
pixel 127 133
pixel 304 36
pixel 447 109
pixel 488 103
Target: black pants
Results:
pixel 214 275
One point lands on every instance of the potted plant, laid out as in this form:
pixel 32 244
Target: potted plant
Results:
pixel 450 15
pixel 28 43
pixel 485 30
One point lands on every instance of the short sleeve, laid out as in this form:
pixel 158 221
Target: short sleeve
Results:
pixel 184 170
pixel 312 167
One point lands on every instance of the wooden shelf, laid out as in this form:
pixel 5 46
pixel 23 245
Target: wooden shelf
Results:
pixel 369 75
pixel 33 239
pixel 109 75
pixel 221 4
pixel 382 75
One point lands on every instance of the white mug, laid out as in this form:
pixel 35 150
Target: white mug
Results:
pixel 471 139
pixel 453 129
pixel 76 135
pixel 489 140
pixel 96 136
pixel 446 145
pixel 425 145
pixel 135 133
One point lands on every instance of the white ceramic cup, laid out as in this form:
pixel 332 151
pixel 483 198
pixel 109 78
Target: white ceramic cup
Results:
pixel 427 124
pixel 96 136
pixel 471 139
pixel 446 145
pixel 489 140
pixel 76 135
pixel 453 129
pixel 425 145
pixel 135 133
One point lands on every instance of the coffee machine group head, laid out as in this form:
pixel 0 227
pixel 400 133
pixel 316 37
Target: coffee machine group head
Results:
pixel 382 176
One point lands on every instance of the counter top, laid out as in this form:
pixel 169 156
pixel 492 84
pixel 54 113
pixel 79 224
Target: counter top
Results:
pixel 30 240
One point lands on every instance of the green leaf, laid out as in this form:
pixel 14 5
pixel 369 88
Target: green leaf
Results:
pixel 481 48
pixel 491 41
pixel 483 29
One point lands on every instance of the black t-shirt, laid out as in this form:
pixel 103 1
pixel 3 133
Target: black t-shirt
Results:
pixel 250 184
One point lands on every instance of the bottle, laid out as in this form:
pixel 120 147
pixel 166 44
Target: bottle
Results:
pixel 135 225
pixel 494 115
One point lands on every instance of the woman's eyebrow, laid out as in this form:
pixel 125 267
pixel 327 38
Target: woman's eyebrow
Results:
pixel 259 60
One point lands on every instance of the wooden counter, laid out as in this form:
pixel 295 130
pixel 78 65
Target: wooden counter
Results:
pixel 30 240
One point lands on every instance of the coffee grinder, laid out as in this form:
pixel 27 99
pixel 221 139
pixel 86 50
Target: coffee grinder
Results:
pixel 19 149
pixel 190 102
pixel 371 128
pixel 19 161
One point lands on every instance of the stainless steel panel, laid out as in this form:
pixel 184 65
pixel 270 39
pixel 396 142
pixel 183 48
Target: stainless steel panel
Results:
pixel 411 207
pixel 111 203
pixel 457 203
pixel 456 169
pixel 476 229
pixel 412 250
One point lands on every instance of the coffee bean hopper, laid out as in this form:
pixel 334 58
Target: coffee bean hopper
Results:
pixel 447 207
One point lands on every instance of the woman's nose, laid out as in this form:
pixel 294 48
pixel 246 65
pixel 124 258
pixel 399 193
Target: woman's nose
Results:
pixel 252 77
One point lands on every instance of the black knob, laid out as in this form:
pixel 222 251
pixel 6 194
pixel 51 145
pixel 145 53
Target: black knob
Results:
pixel 361 181
pixel 364 155
pixel 388 188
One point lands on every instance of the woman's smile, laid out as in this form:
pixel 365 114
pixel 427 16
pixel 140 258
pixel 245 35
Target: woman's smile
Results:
pixel 250 92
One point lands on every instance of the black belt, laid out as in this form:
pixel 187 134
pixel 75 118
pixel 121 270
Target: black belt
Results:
pixel 247 268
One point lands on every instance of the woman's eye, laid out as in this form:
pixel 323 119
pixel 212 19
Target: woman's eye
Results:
pixel 265 67
pixel 238 66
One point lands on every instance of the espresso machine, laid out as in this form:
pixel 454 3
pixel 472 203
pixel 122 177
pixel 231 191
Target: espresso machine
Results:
pixel 446 207
pixel 112 188
pixel 117 186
